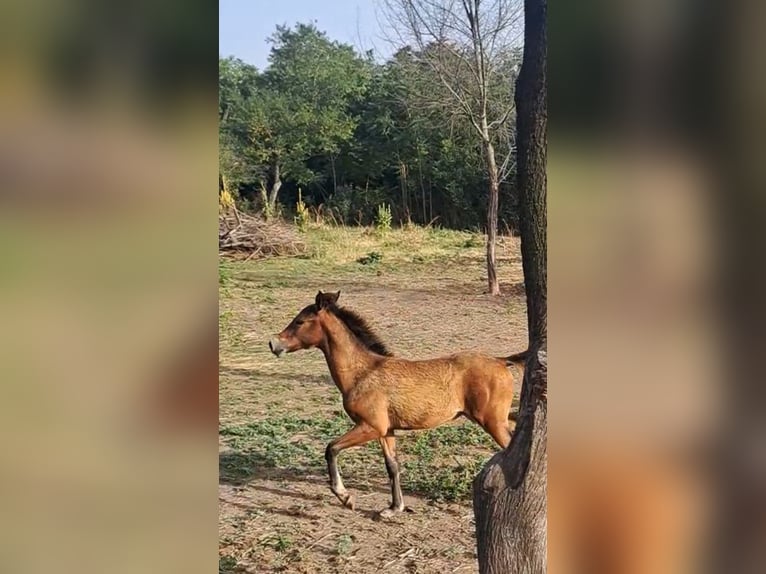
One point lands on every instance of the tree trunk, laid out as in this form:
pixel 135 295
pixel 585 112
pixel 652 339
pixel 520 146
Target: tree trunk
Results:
pixel 405 194
pixel 510 499
pixel 276 183
pixel 422 190
pixel 509 495
pixel 494 189
pixel 334 176
pixel 430 201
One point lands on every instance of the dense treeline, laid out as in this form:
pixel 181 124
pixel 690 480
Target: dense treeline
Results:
pixel 351 134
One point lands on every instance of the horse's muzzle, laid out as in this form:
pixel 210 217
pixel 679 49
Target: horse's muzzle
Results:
pixel 276 346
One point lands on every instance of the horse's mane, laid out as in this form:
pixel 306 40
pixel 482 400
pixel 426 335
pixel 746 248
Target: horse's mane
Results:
pixel 359 327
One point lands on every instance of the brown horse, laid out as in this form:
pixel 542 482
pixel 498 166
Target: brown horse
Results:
pixel 382 393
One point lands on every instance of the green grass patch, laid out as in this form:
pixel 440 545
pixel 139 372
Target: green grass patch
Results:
pixel 371 258
pixel 278 541
pixel 224 273
pixel 227 565
pixel 345 543
pixel 439 464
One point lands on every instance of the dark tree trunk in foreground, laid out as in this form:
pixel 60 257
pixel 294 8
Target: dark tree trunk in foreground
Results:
pixel 510 499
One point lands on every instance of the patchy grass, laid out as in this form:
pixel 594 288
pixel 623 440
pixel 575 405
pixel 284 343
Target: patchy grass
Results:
pixel 227 564
pixel 340 245
pixel 345 542
pixel 423 292
pixel 439 463
pixel 224 273
pixel 278 541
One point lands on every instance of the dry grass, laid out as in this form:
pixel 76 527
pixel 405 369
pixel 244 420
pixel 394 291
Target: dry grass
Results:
pixel 424 295
pixel 339 245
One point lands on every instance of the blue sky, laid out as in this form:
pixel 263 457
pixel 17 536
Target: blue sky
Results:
pixel 244 25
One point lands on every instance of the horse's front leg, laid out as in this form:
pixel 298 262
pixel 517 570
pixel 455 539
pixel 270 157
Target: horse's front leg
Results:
pixel 388 444
pixel 357 436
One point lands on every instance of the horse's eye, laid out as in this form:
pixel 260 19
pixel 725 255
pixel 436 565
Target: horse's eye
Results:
pixel 299 322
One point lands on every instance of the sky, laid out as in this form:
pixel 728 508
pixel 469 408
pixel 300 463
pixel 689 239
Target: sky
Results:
pixel 244 25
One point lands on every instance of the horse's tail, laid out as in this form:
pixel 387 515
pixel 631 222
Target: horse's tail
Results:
pixel 518 359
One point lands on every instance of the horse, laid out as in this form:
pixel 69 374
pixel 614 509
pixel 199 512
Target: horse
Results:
pixel 383 393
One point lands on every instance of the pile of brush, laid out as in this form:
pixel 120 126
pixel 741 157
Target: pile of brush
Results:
pixel 252 237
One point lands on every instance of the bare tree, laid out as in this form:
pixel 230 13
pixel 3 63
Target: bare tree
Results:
pixel 510 494
pixel 468 45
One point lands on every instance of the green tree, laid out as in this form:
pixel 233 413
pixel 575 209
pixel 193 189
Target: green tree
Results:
pixel 237 83
pixel 301 109
pixel 354 134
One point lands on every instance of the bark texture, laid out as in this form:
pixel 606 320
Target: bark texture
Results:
pixel 494 192
pixel 276 184
pixel 510 499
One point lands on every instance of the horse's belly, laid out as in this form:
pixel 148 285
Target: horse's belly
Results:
pixel 423 413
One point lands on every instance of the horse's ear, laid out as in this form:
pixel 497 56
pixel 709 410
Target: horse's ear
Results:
pixel 324 300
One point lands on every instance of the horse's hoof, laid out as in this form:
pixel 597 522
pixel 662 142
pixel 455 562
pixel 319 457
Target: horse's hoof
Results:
pixel 349 502
pixel 389 512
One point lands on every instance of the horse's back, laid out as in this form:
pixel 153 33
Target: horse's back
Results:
pixel 442 370
pixel 467 377
pixel 426 393
pixel 475 359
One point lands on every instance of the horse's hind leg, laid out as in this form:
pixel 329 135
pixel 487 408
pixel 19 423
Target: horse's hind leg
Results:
pixel 388 444
pixel 357 436
pixel 498 426
pixel 494 421
pixel 499 430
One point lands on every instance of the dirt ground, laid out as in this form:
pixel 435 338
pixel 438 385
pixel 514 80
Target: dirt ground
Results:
pixel 276 511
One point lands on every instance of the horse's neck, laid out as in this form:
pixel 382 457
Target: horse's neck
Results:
pixel 346 357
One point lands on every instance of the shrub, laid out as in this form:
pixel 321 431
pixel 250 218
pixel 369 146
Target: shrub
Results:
pixel 383 217
pixel 302 214
pixel 225 200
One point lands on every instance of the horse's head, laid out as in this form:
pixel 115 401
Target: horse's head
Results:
pixel 304 331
